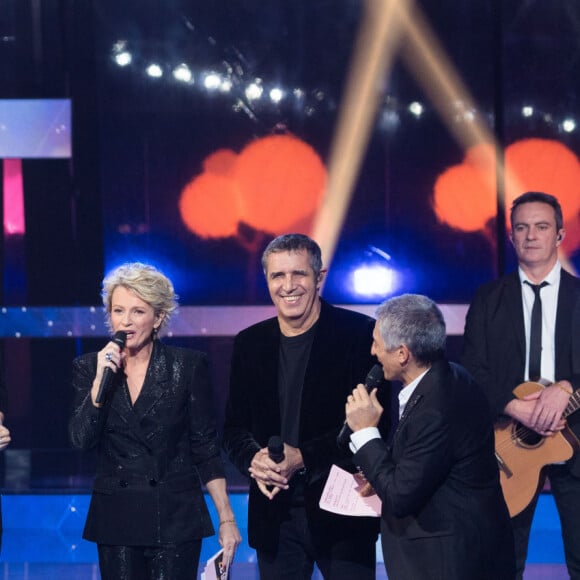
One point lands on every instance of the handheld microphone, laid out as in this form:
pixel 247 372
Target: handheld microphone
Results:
pixel 120 338
pixel 276 449
pixel 373 379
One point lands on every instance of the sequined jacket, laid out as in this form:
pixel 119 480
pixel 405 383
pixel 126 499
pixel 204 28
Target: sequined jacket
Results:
pixel 151 456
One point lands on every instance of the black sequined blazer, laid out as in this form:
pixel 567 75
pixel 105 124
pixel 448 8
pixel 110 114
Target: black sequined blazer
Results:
pixel 151 456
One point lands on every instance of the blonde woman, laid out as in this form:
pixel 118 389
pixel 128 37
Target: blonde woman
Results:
pixel 154 434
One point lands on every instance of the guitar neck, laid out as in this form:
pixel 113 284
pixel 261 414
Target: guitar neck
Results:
pixel 573 404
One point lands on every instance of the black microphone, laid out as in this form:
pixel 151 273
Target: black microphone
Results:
pixel 120 338
pixel 276 449
pixel 374 379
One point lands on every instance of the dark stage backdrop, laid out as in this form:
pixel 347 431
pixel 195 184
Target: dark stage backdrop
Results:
pixel 157 87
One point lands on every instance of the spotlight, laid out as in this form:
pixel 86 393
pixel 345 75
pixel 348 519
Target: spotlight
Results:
pixel 276 95
pixel 373 280
pixel 416 108
pixel 527 111
pixel 374 277
pixel 123 58
pixel 121 54
pixel 568 125
pixel 182 73
pixel 154 71
pixel 212 81
pixel 254 90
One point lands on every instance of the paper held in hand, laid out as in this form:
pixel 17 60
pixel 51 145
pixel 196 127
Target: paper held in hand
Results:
pixel 341 495
pixel 216 568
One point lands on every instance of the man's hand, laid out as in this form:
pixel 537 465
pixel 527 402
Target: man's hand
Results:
pixel 363 410
pixel 542 411
pixel 550 406
pixel 273 477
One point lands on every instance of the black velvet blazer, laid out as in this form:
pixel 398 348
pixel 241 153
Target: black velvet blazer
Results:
pixel 339 359
pixel 151 456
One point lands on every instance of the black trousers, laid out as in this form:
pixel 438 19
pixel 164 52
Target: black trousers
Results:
pixel 298 550
pixel 566 492
pixel 167 562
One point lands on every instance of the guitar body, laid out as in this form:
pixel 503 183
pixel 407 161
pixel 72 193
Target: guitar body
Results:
pixel 522 454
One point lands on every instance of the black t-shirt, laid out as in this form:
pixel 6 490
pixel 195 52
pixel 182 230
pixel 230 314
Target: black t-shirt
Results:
pixel 294 355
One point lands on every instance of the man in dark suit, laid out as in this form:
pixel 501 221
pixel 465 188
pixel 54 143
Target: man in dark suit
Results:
pixel 443 512
pixel 289 377
pixel 497 352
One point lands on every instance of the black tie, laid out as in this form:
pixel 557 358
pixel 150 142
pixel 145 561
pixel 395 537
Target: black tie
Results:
pixel 535 367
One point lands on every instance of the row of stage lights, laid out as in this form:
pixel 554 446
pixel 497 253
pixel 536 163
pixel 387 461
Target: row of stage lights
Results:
pixel 258 92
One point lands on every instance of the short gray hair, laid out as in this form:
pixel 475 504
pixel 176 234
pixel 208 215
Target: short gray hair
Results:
pixel 415 321
pixel 294 243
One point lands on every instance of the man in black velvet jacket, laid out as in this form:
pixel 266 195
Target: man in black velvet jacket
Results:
pixel 290 376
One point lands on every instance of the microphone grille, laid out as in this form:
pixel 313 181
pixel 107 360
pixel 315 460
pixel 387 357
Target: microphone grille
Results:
pixel 275 444
pixel 120 338
pixel 375 377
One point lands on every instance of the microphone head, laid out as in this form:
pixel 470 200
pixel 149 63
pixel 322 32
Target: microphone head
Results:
pixel 375 377
pixel 120 338
pixel 275 445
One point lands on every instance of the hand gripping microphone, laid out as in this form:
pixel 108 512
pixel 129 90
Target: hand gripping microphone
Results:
pixel 374 379
pixel 276 449
pixel 120 338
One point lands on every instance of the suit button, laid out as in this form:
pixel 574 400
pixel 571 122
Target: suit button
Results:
pixel 152 482
pixel 124 483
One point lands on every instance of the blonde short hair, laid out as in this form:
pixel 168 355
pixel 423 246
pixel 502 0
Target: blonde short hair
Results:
pixel 147 283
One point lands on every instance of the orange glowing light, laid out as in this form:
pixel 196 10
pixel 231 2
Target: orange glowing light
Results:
pixel 465 194
pixel 274 185
pixel 210 206
pixel 220 162
pixel 281 180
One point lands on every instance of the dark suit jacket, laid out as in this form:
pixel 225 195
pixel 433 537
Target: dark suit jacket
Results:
pixel 150 456
pixel 495 343
pixel 443 513
pixel 339 359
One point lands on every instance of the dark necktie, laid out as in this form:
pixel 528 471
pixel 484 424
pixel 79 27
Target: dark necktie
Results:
pixel 535 368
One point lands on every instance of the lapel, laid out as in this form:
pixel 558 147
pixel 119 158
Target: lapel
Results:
pixel 319 353
pixel 153 389
pixel 156 379
pixel 416 398
pixel 427 386
pixel 264 354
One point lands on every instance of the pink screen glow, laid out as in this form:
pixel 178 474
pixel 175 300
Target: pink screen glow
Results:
pixel 13 198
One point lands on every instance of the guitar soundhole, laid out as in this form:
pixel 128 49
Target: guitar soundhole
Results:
pixel 525 437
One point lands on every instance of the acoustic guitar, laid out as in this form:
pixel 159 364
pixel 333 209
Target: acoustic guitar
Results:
pixel 522 454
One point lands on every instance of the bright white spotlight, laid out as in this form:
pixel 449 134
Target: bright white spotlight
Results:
pixel 376 280
pixel 527 111
pixel 154 70
pixel 416 108
pixel 226 85
pixel 569 125
pixel 276 95
pixel 254 91
pixel 123 58
pixel 212 81
pixel 182 73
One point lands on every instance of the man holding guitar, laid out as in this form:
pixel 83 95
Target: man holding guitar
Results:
pixel 526 327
